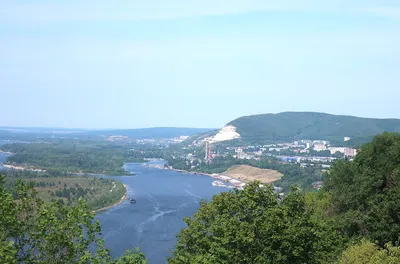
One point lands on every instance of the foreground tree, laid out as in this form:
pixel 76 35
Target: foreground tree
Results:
pixel 34 232
pixel 367 252
pixel 254 226
pixel 365 193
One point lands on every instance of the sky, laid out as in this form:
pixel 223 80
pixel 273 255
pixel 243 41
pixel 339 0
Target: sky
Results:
pixel 150 63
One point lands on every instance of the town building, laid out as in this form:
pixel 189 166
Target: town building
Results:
pixel 333 150
pixel 349 152
pixel 319 147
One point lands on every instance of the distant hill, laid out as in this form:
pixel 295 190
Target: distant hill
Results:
pixel 155 132
pixel 310 125
pixel 140 133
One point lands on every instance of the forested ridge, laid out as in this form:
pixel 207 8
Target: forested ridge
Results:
pixel 288 126
pixel 353 219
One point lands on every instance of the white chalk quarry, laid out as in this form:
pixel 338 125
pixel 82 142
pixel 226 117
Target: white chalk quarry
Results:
pixel 226 133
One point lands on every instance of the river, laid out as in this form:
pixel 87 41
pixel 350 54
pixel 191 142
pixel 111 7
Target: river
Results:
pixel 163 199
pixel 3 156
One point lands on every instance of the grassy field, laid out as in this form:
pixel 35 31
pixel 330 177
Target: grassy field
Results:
pixel 248 173
pixel 97 192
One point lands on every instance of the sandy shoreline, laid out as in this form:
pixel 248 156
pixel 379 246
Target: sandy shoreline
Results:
pixel 15 167
pixel 184 171
pixel 237 177
pixel 6 152
pixel 123 198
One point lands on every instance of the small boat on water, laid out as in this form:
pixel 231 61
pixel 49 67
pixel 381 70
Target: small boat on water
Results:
pixel 132 201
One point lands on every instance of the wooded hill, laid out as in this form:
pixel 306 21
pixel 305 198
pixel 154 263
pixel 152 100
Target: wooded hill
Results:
pixel 289 126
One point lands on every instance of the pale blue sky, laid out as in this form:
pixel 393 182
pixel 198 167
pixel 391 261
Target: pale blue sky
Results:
pixel 131 64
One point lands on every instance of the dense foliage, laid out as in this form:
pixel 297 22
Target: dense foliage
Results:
pixel 34 232
pixel 307 125
pixel 366 192
pixel 254 226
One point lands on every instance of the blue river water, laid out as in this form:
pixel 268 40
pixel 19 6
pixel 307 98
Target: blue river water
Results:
pixel 3 156
pixel 163 199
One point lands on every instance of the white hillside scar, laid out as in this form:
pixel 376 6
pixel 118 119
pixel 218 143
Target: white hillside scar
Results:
pixel 226 133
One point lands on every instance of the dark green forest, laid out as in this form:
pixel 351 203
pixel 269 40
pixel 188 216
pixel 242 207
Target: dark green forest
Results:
pixel 290 126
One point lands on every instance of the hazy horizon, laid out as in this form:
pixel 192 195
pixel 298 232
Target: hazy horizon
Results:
pixel 99 129
pixel 142 64
pixel 165 127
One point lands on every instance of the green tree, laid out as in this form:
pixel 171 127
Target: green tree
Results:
pixel 254 226
pixel 367 252
pixel 366 192
pixel 34 232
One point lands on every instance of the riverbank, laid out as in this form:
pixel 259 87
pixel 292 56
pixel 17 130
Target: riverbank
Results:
pixel 178 170
pixel 123 198
pixel 15 167
pixel 230 182
pixel 6 152
pixel 192 172
pixel 240 174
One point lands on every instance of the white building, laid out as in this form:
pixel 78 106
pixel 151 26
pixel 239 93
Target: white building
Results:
pixel 333 150
pixel 349 152
pixel 319 147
